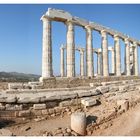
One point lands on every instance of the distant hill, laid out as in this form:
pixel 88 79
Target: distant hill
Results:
pixel 17 77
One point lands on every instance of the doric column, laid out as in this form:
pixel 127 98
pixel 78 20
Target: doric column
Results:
pixel 70 50
pixel 113 60
pixel 99 63
pixel 136 70
pixel 105 53
pixel 127 57
pixel 81 62
pixel 132 59
pixel 62 67
pixel 89 52
pixel 118 56
pixel 47 48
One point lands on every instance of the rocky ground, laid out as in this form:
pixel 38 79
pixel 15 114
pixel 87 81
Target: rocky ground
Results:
pixel 115 114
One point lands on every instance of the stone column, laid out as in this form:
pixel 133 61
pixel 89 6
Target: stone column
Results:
pixel 47 48
pixel 89 52
pixel 118 56
pixel 70 50
pixel 127 57
pixel 105 53
pixel 99 63
pixel 113 60
pixel 62 67
pixel 81 62
pixel 136 70
pixel 132 59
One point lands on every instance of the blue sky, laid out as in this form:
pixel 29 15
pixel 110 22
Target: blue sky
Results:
pixel 21 32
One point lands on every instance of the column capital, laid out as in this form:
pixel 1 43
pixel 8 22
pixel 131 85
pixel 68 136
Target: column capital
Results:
pixel 88 27
pixel 126 41
pixel 45 17
pixel 116 37
pixel 69 22
pixel 103 31
pixel 135 44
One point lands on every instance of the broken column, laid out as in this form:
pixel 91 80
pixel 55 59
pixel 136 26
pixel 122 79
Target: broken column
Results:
pixel 70 49
pixel 136 70
pixel 117 55
pixel 47 48
pixel 62 66
pixel 78 123
pixel 89 52
pixel 105 53
pixel 127 59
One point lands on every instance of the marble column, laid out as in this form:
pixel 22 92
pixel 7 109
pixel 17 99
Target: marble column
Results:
pixel 113 60
pixel 127 57
pixel 136 71
pixel 81 62
pixel 99 63
pixel 70 50
pixel 132 59
pixel 47 48
pixel 118 56
pixel 62 66
pixel 105 53
pixel 89 52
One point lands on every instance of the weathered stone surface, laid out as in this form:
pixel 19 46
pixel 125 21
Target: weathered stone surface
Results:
pixel 51 111
pixel 45 112
pixel 123 104
pixel 89 101
pixel 11 99
pixel 84 94
pixel 5 132
pixel 65 103
pixel 103 89
pixel 39 106
pixel 91 84
pixel 113 89
pixel 24 113
pixel 59 14
pixel 13 107
pixel 24 100
pixel 68 96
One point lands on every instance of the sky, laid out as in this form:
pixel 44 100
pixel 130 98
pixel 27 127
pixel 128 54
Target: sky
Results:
pixel 21 33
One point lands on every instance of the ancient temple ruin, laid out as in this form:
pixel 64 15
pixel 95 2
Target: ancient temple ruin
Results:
pixel 131 48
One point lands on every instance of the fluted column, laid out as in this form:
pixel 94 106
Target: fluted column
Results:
pixel 47 48
pixel 89 52
pixel 127 57
pixel 70 50
pixel 136 71
pixel 62 66
pixel 118 56
pixel 105 53
pixel 81 62
pixel 99 63
pixel 113 60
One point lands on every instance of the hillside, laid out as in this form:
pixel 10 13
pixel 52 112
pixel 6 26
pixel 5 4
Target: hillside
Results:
pixel 17 77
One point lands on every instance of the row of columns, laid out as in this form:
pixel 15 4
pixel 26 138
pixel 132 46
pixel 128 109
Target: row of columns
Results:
pixel 47 70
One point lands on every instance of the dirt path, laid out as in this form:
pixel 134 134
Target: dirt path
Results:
pixel 37 128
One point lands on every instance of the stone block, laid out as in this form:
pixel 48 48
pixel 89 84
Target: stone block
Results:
pixel 3 99
pixel 11 99
pixel 84 94
pixel 123 104
pixel 57 109
pixel 24 113
pixel 65 103
pixel 23 100
pixel 68 96
pixel 45 112
pixel 113 89
pixel 39 106
pixel 13 107
pixel 51 111
pixel 103 89
pixel 91 84
pixel 89 102
pixel 59 14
